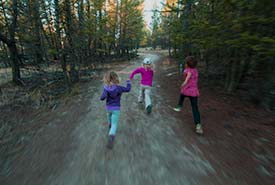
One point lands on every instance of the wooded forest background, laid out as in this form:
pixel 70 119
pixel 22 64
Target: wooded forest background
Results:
pixel 233 39
pixel 72 32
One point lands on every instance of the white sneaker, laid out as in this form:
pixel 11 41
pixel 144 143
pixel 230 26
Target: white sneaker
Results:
pixel 199 129
pixel 149 109
pixel 177 109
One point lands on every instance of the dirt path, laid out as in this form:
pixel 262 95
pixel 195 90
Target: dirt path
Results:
pixel 156 149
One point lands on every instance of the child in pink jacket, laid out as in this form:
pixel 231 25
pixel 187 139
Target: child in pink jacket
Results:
pixel 147 74
pixel 189 89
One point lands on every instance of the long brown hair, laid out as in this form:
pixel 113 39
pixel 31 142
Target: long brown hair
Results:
pixel 111 78
pixel 191 61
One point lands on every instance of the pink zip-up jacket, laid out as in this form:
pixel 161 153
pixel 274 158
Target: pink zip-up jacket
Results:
pixel 146 75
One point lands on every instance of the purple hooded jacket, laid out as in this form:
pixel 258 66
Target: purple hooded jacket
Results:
pixel 112 95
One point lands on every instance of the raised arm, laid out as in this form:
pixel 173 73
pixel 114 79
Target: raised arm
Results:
pixel 136 71
pixel 103 95
pixel 127 88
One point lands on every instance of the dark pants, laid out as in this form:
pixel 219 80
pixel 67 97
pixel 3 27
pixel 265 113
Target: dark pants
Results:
pixel 194 104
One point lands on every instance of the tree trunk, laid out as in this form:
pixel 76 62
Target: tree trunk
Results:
pixel 37 32
pixel 11 43
pixel 81 48
pixel 236 72
pixel 14 58
pixel 7 61
pixel 61 55
pixel 57 27
pixel 206 58
pixel 74 73
pixel 50 39
pixel 100 33
pixel 90 40
pixel 169 47
pixel 15 64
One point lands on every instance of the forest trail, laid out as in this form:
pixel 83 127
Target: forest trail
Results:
pixel 156 149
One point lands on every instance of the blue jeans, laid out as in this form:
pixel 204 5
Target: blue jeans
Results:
pixel 113 117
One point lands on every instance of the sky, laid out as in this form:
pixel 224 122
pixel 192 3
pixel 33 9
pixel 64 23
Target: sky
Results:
pixel 148 6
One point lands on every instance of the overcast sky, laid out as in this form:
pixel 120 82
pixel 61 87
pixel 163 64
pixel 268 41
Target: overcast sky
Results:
pixel 150 5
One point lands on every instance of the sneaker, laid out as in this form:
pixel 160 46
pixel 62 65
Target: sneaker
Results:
pixel 199 129
pixel 110 142
pixel 149 109
pixel 177 109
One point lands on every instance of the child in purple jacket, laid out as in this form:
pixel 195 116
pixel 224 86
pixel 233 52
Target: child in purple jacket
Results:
pixel 147 74
pixel 112 93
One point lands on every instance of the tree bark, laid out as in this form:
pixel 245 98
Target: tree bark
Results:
pixel 11 43
pixel 37 33
pixel 69 34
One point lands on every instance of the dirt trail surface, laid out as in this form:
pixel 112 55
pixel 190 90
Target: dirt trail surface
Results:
pixel 157 149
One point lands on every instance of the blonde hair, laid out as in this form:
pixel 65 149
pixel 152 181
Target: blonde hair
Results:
pixel 111 78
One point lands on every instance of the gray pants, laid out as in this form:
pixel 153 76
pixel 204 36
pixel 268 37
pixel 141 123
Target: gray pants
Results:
pixel 144 93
